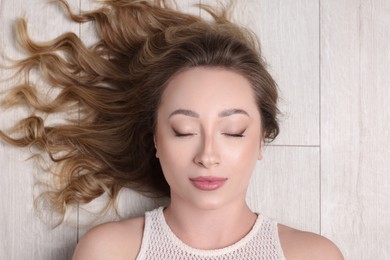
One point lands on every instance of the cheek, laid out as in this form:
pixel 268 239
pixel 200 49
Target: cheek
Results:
pixel 168 162
pixel 245 152
pixel 243 159
pixel 173 156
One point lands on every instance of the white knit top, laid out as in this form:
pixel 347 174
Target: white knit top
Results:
pixel 159 242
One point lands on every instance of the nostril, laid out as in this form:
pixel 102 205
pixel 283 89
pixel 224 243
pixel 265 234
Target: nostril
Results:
pixel 207 155
pixel 207 162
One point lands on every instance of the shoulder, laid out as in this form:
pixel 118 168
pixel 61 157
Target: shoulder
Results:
pixel 298 244
pixel 113 240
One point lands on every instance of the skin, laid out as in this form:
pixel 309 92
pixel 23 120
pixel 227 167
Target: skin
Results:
pixel 208 124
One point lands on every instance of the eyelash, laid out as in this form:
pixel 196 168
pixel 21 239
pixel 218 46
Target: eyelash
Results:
pixel 178 134
pixel 239 135
pixel 234 135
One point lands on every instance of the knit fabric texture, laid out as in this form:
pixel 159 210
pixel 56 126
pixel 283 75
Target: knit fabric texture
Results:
pixel 159 242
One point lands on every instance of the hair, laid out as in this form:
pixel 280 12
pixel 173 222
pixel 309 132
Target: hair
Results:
pixel 114 88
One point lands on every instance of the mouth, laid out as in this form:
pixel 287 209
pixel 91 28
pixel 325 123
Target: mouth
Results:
pixel 208 183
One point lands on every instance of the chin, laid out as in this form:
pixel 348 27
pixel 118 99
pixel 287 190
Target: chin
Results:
pixel 209 204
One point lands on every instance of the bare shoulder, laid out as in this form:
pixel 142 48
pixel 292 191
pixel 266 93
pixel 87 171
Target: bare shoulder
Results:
pixel 113 240
pixel 298 244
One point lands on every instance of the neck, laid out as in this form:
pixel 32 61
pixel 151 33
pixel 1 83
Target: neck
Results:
pixel 209 228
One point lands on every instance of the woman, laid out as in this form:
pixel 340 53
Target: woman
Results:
pixel 208 136
pixel 170 104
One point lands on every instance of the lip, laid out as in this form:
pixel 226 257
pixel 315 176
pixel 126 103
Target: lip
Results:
pixel 208 183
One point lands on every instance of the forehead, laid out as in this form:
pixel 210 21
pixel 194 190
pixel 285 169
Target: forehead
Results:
pixel 208 89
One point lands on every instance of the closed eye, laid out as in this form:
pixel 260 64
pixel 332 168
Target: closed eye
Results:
pixel 178 134
pixel 240 134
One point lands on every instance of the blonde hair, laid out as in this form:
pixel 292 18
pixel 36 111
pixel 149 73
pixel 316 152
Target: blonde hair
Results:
pixel 117 84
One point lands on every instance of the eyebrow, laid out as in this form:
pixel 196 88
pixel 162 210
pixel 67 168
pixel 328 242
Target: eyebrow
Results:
pixel 233 111
pixel 185 112
pixel 224 113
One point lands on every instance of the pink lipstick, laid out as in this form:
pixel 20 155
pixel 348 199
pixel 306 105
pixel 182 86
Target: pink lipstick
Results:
pixel 208 183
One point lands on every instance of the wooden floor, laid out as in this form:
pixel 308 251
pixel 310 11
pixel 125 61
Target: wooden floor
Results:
pixel 329 170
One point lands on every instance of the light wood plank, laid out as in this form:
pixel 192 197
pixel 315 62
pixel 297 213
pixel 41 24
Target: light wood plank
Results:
pixel 285 186
pixel 355 123
pixel 289 33
pixel 23 234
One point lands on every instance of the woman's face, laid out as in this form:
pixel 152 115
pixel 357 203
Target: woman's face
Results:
pixel 208 137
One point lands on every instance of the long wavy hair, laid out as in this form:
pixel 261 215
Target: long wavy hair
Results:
pixel 116 85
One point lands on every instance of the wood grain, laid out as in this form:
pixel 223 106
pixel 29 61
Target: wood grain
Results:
pixel 289 36
pixel 355 123
pixel 23 234
pixel 285 187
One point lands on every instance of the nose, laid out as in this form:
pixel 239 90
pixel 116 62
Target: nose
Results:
pixel 207 155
